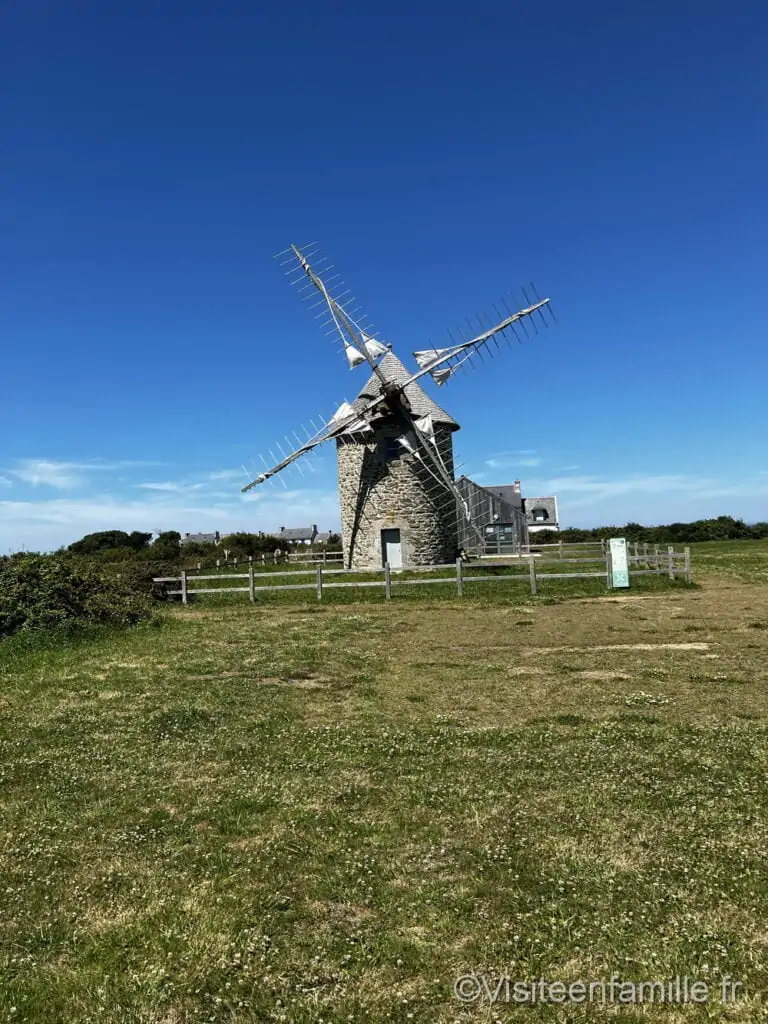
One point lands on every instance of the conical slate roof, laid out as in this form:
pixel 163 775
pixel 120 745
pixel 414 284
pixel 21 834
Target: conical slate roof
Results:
pixel 420 402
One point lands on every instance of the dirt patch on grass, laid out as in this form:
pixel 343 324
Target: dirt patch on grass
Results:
pixel 601 675
pixel 619 647
pixel 298 683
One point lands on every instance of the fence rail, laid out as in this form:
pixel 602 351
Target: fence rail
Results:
pixel 289 557
pixel 670 563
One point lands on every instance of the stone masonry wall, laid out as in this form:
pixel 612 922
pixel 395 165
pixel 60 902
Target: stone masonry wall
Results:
pixel 377 494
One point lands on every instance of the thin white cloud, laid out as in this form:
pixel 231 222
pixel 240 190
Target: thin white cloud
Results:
pixel 170 486
pixel 47 473
pixel 227 474
pixel 46 525
pixel 513 461
pixel 5 482
pixel 589 490
pixel 584 491
pixel 67 475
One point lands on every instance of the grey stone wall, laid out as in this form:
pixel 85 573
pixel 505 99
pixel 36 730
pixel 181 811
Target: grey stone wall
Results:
pixel 378 494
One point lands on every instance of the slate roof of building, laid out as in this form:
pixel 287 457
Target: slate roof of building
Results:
pixel 475 493
pixel 420 402
pixel 507 493
pixel 549 504
pixel 297 533
pixel 200 538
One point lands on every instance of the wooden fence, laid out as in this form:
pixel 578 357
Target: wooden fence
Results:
pixel 668 563
pixel 642 550
pixel 299 557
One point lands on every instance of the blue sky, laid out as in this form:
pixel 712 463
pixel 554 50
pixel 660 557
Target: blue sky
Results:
pixel 157 155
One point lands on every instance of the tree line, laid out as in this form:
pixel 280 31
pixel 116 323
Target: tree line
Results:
pixel 119 546
pixel 721 528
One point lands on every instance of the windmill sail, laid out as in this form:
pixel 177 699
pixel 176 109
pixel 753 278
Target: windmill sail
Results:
pixel 392 394
pixel 442 363
pixel 358 341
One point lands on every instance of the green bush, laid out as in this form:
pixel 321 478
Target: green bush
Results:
pixel 139 576
pixel 51 592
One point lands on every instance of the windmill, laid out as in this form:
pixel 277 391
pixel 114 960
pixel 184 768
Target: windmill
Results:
pixel 399 501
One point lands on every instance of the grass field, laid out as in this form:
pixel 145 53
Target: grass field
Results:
pixel 311 812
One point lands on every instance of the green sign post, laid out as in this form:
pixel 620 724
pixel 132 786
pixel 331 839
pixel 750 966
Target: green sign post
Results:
pixel 617 552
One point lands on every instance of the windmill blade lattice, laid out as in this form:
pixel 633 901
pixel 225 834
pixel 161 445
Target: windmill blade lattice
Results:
pixel 339 313
pixel 392 403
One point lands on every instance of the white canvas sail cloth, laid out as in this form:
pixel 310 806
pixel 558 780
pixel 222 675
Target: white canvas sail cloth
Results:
pixel 346 417
pixel 426 428
pixel 344 412
pixel 425 425
pixel 427 357
pixel 410 441
pixel 355 357
pixel 373 348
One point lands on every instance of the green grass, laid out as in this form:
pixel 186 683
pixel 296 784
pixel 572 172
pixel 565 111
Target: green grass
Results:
pixel 745 560
pixel 327 812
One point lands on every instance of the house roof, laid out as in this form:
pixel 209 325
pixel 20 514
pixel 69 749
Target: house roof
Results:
pixel 420 402
pixel 200 538
pixel 476 494
pixel 507 493
pixel 322 537
pixel 298 533
pixel 548 504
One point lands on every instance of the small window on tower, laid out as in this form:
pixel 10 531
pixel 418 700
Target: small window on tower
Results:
pixel 390 449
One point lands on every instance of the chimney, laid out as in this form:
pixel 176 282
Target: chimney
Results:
pixel 517 486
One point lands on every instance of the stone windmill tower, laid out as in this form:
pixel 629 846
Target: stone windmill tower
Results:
pixel 391 508
pixel 399 501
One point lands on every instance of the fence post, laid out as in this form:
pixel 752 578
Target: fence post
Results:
pixel 387 581
pixel 459 578
pixel 183 586
pixel 687 553
pixel 561 549
pixel 645 555
pixel 319 582
pixel 264 558
pixel 608 567
pixel 671 556
pixel 532 566
pixel 218 563
pixel 251 591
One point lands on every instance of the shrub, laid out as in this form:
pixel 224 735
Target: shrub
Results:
pixel 139 576
pixel 51 592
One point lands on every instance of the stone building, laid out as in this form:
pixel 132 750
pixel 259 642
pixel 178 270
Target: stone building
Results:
pixel 392 508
